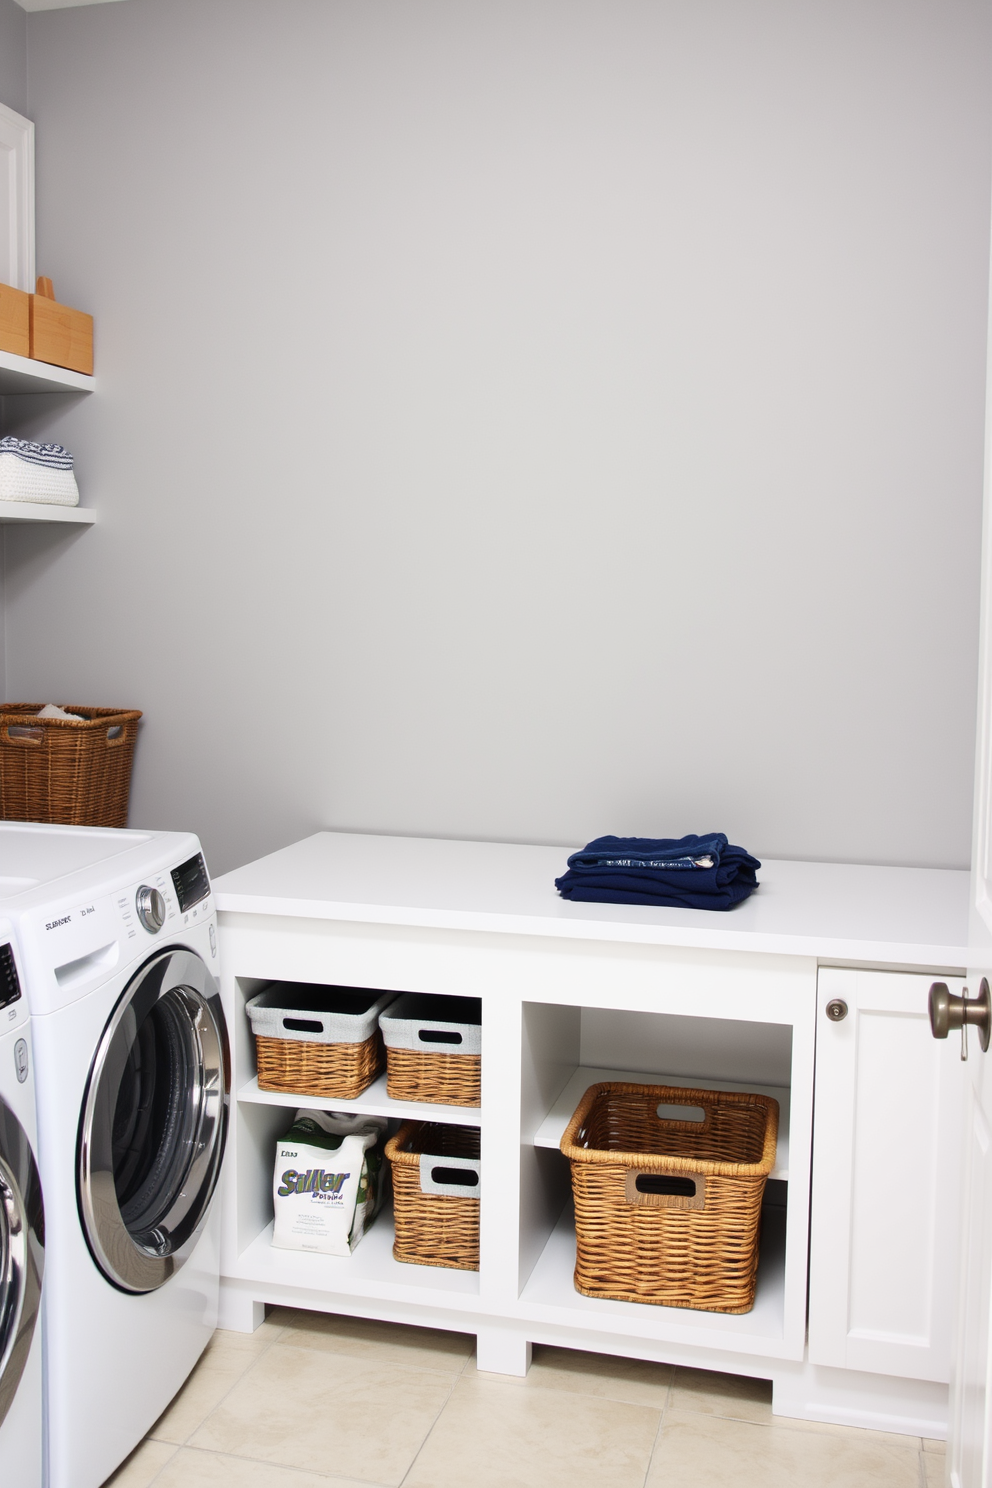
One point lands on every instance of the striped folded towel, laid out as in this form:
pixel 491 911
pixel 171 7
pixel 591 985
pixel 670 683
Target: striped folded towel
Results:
pixel 36 472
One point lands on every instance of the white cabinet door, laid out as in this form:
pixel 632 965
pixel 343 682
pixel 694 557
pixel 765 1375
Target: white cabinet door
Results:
pixel 888 1113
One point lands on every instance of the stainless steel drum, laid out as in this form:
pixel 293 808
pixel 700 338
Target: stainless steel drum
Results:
pixel 154 1122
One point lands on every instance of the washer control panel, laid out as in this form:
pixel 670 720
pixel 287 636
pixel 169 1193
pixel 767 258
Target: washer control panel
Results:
pixel 151 908
pixel 70 945
pixel 10 987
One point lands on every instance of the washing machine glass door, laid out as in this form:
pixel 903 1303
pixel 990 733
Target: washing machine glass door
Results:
pixel 21 1252
pixel 153 1124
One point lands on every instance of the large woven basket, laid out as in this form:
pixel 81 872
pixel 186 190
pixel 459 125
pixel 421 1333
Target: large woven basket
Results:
pixel 668 1210
pixel 432 1049
pixel 61 770
pixel 438 1227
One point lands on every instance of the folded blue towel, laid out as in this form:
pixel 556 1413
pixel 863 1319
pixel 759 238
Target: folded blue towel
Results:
pixel 687 872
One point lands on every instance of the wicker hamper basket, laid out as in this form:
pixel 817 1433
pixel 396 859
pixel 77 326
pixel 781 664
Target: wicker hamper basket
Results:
pixel 433 1049
pixel 317 1040
pixel 62 770
pixel 436 1176
pixel 669 1211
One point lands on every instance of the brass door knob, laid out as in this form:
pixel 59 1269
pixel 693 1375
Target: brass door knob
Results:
pixel 948 1012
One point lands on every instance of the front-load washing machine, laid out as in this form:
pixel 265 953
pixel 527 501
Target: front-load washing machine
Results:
pixel 119 947
pixel 21 1237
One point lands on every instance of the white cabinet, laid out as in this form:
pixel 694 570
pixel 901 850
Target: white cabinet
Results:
pixel 573 994
pixel 886 1178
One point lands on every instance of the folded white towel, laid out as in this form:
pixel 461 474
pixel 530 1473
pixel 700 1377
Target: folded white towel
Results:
pixel 36 472
pixel 52 710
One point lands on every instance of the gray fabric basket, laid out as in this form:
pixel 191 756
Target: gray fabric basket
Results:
pixel 298 1004
pixel 471 1166
pixel 415 1016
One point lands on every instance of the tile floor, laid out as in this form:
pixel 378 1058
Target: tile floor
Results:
pixel 312 1401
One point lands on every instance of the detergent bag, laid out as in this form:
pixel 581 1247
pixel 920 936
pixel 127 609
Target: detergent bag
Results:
pixel 328 1182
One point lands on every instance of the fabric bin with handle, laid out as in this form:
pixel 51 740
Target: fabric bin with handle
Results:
pixel 437 1178
pixel 75 771
pixel 434 1049
pixel 669 1210
pixel 317 1040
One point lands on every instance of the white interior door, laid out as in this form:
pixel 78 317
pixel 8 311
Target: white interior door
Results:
pixel 969 1455
pixel 970 1446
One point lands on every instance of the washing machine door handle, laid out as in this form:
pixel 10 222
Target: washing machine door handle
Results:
pixel 154 1121
pixel 22 1253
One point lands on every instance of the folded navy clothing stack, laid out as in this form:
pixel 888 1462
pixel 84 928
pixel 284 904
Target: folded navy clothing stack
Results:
pixel 688 872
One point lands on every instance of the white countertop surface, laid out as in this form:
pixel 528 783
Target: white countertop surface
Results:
pixel 833 911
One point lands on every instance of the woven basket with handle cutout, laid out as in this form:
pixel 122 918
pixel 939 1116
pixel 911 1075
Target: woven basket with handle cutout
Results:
pixel 65 770
pixel 669 1210
pixel 435 1229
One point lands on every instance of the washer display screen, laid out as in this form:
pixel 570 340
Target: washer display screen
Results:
pixel 191 881
pixel 10 987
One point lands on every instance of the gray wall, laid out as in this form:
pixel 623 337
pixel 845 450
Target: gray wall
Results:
pixel 522 419
pixel 13 56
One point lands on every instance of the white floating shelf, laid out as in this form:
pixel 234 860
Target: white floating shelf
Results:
pixel 374 1102
pixel 36 511
pixel 24 375
pixel 552 1128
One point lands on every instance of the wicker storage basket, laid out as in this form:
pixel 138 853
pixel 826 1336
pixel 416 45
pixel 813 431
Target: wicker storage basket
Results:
pixel 436 1178
pixel 61 770
pixel 434 1049
pixel 668 1211
pixel 316 1040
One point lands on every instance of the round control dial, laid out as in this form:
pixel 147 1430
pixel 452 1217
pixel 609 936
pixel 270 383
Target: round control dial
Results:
pixel 151 908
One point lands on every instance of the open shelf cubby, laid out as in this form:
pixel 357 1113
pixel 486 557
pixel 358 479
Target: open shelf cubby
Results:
pixel 369 1271
pixel 374 1100
pixel 566 1049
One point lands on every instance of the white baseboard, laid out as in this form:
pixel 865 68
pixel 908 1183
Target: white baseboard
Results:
pixel 874 1402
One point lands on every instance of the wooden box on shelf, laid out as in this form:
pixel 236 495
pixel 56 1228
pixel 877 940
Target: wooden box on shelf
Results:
pixel 15 320
pixel 59 335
